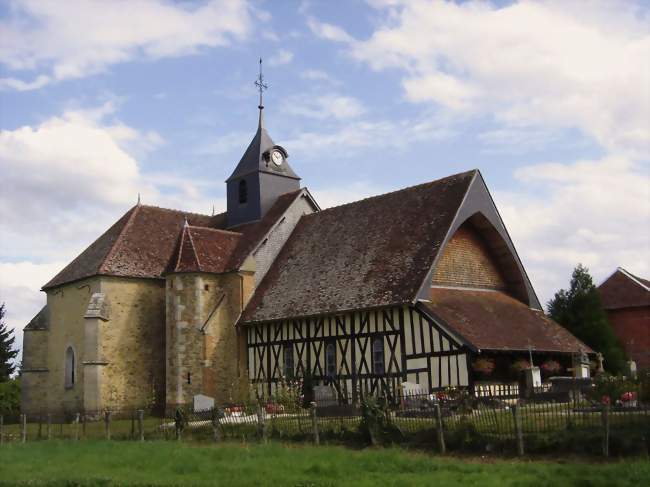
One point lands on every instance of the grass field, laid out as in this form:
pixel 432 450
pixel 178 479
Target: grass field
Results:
pixel 89 463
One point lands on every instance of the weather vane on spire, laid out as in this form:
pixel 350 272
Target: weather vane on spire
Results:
pixel 261 85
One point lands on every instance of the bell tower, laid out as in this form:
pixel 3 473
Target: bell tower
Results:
pixel 262 174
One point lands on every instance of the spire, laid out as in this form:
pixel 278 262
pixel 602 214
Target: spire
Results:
pixel 261 86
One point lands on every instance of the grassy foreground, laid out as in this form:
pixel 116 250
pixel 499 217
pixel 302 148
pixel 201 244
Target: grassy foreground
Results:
pixel 89 463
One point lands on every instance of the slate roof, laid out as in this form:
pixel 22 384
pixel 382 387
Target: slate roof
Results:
pixel 624 290
pixel 374 252
pixel 145 243
pixel 39 322
pixel 492 320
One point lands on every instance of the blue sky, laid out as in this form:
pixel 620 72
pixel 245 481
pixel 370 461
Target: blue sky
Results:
pixel 100 101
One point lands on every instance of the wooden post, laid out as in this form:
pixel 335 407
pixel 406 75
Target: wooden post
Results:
pixel 314 423
pixel 441 433
pixel 261 423
pixel 519 431
pixel 107 424
pixel 76 426
pixel 49 426
pixel 140 424
pixel 2 424
pixel 23 427
pixel 83 426
pixel 216 432
pixel 605 419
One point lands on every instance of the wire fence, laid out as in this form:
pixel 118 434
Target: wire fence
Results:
pixel 434 421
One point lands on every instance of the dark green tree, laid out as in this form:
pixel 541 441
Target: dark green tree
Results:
pixel 580 310
pixel 7 353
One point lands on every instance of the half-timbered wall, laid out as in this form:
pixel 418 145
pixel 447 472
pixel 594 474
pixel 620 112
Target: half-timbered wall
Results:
pixel 414 348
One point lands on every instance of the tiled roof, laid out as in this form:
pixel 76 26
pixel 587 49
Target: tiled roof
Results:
pixel 624 290
pixel 492 320
pixel 145 242
pixel 373 252
pixel 206 250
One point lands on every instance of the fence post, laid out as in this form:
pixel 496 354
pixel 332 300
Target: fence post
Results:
pixel 23 428
pixel 314 423
pixel 140 424
pixel 107 424
pixel 441 434
pixel 49 426
pixel 261 422
pixel 519 431
pixel 2 423
pixel 76 426
pixel 83 425
pixel 605 419
pixel 216 433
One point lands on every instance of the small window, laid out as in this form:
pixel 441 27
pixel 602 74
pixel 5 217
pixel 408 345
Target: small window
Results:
pixel 69 368
pixel 189 378
pixel 288 361
pixel 378 355
pixel 330 359
pixel 243 192
pixel 206 287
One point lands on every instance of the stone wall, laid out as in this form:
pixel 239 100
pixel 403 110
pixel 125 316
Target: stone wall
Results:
pixel 35 372
pixel 204 347
pixel 132 343
pixel 466 262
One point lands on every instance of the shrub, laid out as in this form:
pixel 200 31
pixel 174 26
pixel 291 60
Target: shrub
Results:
pixel 484 365
pixel 10 397
pixel 610 389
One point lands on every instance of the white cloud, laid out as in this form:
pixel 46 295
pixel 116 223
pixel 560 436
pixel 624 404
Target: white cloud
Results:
pixel 281 57
pixel 65 181
pixel 77 38
pixel 594 211
pixel 328 31
pixel 324 106
pixel 318 75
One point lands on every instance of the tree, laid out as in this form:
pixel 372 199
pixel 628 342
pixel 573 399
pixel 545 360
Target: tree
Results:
pixel 7 354
pixel 580 311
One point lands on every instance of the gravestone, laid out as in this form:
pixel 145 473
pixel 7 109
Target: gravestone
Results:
pixel 202 403
pixel 325 396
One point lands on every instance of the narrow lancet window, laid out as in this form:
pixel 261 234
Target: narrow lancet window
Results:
pixel 330 359
pixel 378 355
pixel 288 361
pixel 243 192
pixel 69 368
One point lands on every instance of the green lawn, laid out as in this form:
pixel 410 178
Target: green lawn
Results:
pixel 231 464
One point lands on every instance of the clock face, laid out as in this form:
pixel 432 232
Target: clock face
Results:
pixel 277 157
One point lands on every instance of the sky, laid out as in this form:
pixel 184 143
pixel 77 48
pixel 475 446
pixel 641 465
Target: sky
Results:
pixel 103 100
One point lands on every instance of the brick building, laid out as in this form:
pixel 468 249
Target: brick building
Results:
pixel 626 298
pixel 166 305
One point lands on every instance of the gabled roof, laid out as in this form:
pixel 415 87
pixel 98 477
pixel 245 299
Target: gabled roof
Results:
pixel 206 250
pixel 492 320
pixel 39 322
pixel 374 252
pixel 145 243
pixel 253 159
pixel 624 290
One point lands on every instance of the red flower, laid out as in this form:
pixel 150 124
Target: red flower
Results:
pixel 628 396
pixel 605 400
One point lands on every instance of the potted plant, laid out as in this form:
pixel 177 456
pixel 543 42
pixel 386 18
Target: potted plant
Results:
pixel 550 368
pixel 483 366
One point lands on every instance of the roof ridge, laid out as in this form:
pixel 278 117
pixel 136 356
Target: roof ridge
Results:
pixel 392 192
pixel 174 210
pixel 211 229
pixel 180 248
pixel 196 256
pixel 118 239
pixel 634 278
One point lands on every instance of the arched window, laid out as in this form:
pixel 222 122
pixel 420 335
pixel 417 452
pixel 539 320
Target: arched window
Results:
pixel 70 375
pixel 243 192
pixel 378 355
pixel 330 359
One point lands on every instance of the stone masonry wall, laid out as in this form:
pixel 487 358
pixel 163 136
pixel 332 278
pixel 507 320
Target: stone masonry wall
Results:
pixel 466 261
pixel 133 343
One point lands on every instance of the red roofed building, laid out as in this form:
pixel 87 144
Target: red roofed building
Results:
pixel 408 286
pixel 626 298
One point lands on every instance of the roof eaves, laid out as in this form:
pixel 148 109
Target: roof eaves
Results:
pixel 445 326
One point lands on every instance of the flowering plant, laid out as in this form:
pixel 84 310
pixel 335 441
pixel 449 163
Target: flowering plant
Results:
pixel 605 400
pixel 519 365
pixel 483 365
pixel 628 396
pixel 551 366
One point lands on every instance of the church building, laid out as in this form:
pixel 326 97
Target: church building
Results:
pixel 409 286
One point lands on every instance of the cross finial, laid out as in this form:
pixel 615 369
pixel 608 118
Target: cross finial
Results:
pixel 261 86
pixel 138 199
